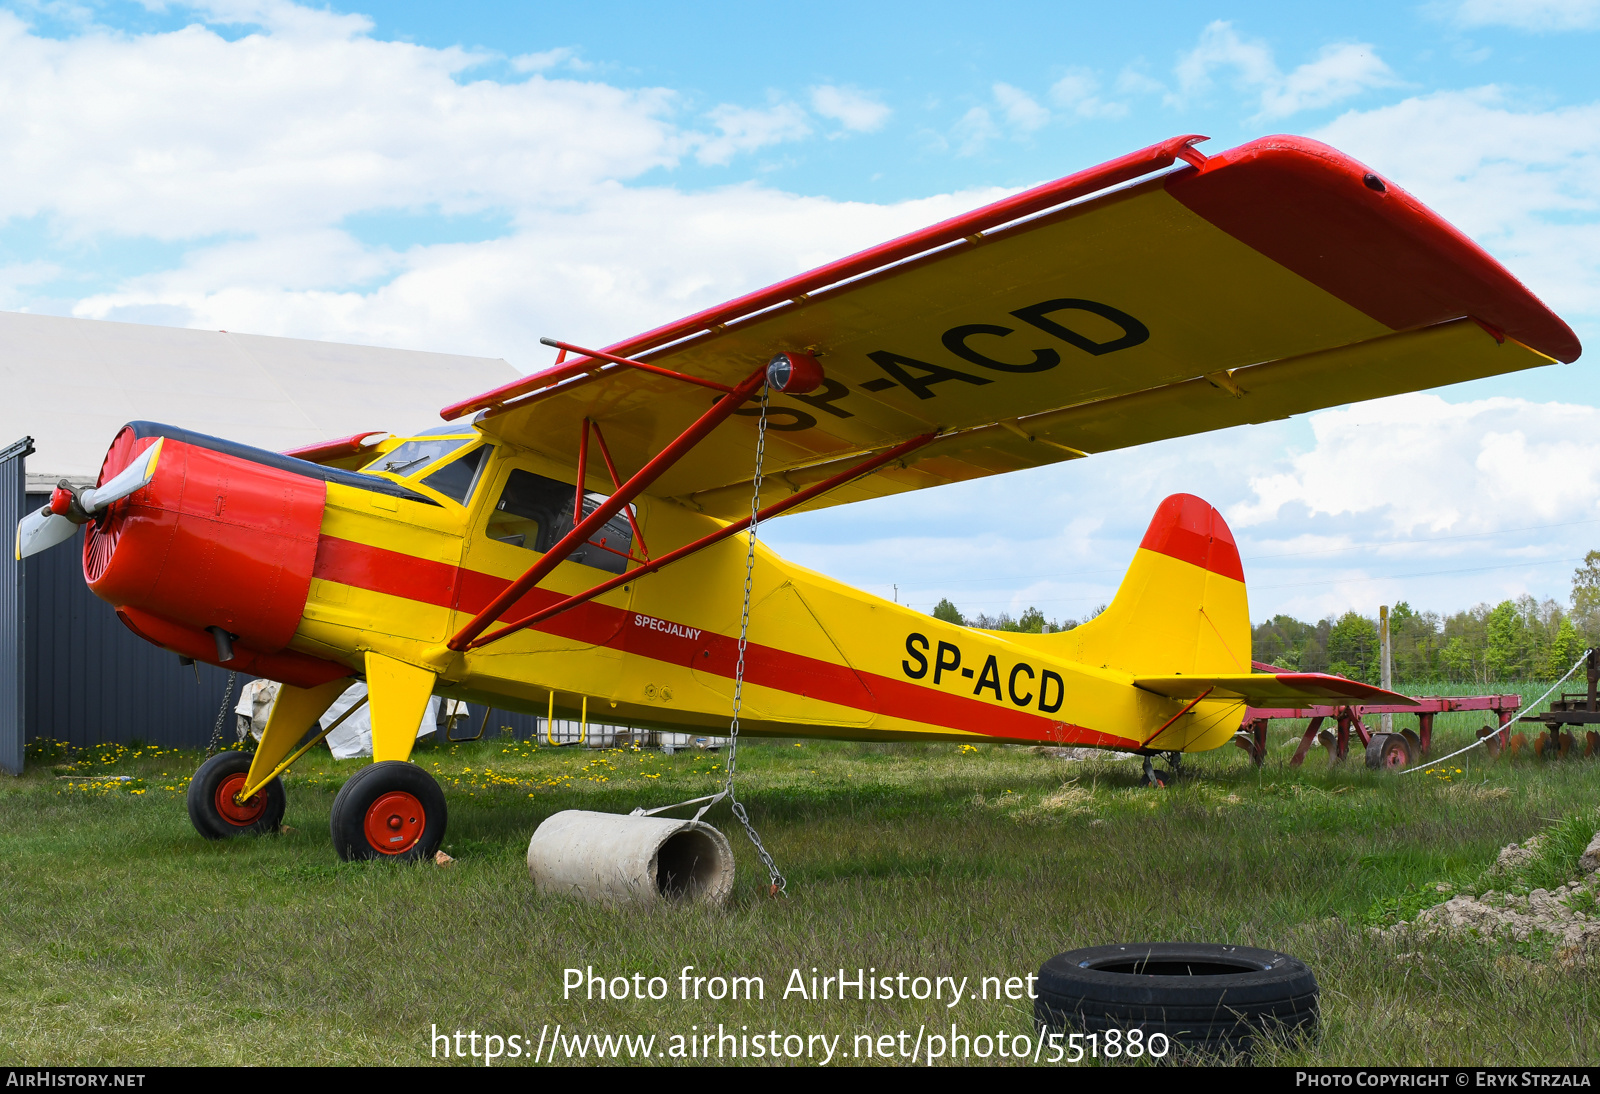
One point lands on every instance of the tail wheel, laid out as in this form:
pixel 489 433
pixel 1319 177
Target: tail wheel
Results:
pixel 214 809
pixel 1591 743
pixel 390 810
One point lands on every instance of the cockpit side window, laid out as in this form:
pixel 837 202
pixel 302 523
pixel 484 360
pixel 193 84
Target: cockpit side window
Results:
pixel 535 513
pixel 456 479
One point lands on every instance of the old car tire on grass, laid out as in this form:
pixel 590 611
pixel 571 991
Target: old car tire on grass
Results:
pixel 1203 997
pixel 391 810
pixel 214 813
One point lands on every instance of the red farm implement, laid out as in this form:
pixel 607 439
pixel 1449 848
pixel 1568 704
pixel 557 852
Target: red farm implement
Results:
pixel 1383 750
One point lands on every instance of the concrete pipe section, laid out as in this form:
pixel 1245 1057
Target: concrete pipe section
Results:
pixel 614 858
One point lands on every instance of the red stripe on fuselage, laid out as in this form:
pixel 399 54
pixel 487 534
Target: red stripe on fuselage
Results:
pixel 398 574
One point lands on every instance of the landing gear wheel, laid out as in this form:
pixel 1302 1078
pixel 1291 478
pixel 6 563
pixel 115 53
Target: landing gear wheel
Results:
pixel 390 810
pixel 1389 751
pixel 1157 779
pixel 212 809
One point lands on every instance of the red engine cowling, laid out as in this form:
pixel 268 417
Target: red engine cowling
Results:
pixel 214 540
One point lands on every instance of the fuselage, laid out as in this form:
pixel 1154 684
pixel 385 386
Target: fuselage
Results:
pixel 397 561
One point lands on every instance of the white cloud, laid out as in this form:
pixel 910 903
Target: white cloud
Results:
pixel 1020 109
pixel 1535 15
pixel 1339 72
pixel 1078 92
pixel 254 152
pixel 973 131
pixel 283 18
pixel 547 59
pixel 1417 463
pixel 855 110
pixel 622 261
pixel 745 129
pixel 1131 81
pixel 1524 183
pixel 266 133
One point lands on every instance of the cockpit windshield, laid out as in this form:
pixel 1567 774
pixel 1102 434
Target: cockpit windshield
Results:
pixel 413 456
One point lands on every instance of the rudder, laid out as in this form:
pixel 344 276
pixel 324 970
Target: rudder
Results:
pixel 1182 606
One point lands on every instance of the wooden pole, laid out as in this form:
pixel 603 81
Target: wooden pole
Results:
pixel 1387 720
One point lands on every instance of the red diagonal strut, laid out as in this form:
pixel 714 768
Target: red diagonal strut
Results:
pixel 601 355
pixel 583 472
pixel 616 483
pixel 596 520
pixel 798 498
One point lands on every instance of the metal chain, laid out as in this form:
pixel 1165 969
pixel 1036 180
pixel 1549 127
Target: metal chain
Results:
pixel 216 731
pixel 779 884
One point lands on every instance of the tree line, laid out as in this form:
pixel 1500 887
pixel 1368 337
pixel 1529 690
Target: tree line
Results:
pixel 1521 639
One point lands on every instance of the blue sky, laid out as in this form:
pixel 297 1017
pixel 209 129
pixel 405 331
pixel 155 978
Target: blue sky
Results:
pixel 467 177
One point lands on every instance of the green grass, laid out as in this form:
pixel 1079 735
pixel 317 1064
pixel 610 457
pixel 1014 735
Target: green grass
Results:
pixel 130 940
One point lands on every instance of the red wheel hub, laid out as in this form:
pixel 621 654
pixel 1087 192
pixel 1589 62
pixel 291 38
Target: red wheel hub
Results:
pixel 395 822
pixel 242 814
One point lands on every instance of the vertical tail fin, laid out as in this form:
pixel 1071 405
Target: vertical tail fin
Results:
pixel 1181 608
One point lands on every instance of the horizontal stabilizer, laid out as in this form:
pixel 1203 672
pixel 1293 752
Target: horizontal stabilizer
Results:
pixel 1284 689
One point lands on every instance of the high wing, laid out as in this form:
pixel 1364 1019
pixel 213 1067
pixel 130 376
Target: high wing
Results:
pixel 1284 689
pixel 1107 309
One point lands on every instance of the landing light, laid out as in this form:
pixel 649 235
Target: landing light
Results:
pixel 794 373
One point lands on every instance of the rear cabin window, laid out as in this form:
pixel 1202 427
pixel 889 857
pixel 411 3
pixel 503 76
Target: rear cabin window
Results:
pixel 535 513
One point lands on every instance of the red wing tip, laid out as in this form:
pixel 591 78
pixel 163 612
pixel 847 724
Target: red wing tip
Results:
pixel 1462 278
pixel 1189 529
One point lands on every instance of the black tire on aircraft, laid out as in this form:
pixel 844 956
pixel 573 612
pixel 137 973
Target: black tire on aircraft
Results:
pixel 391 810
pixel 214 813
pixel 1205 998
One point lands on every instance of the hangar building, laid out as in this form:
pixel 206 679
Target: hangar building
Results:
pixel 69 670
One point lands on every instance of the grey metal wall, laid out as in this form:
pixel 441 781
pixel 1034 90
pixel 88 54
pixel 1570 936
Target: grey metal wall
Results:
pixel 13 644
pixel 90 679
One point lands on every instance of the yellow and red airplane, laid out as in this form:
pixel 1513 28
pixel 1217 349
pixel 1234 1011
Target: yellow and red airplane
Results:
pixel 579 536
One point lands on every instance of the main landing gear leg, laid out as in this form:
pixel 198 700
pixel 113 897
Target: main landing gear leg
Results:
pixel 215 809
pixel 1150 777
pixel 393 809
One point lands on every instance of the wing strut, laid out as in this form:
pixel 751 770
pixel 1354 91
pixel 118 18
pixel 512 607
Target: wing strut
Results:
pixel 616 484
pixel 864 467
pixel 596 520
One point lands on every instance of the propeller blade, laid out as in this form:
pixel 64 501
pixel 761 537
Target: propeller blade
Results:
pixel 40 531
pixel 133 477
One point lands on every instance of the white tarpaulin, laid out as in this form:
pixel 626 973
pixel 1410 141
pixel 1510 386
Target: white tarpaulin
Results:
pixel 351 739
pixel 354 737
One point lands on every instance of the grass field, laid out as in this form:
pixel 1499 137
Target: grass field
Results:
pixel 130 940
